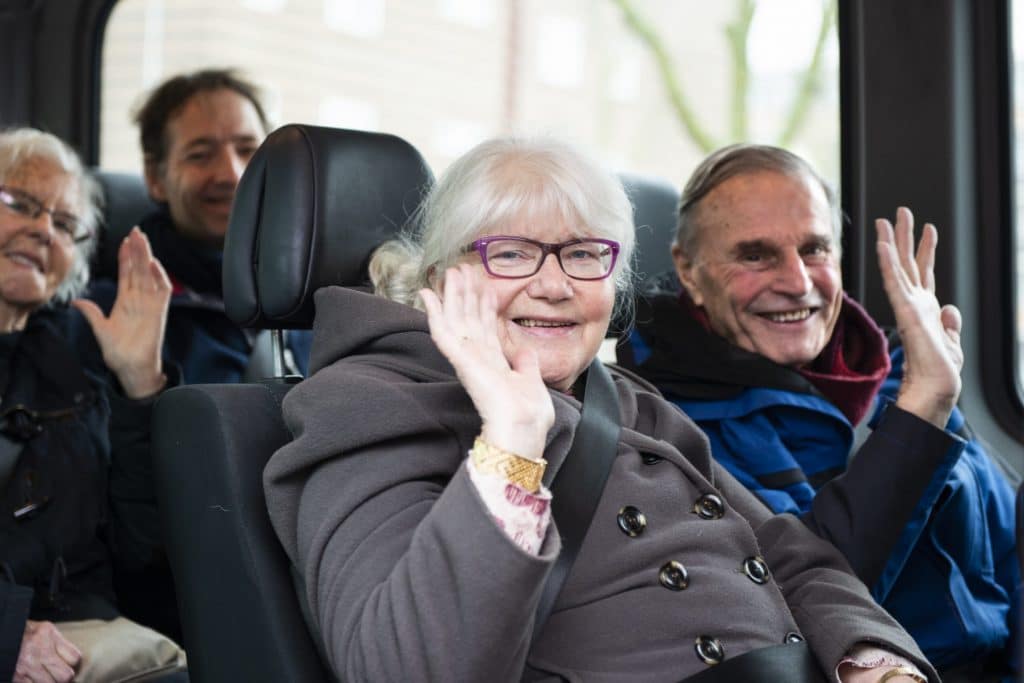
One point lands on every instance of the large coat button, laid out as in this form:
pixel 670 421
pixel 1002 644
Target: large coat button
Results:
pixel 756 570
pixel 631 521
pixel 793 637
pixel 709 506
pixel 709 650
pixel 674 576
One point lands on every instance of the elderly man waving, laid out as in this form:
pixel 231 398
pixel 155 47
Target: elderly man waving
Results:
pixel 764 350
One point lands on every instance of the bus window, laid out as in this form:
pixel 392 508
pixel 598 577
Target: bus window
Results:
pixel 649 86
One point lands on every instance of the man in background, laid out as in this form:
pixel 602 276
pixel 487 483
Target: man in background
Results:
pixel 198 132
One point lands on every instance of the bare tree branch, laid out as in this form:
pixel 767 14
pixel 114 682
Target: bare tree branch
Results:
pixel 643 30
pixel 736 34
pixel 810 81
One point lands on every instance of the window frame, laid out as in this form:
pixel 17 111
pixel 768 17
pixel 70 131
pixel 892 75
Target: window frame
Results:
pixel 948 103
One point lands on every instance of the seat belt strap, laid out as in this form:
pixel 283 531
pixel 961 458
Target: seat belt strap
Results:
pixel 263 359
pixel 790 662
pixel 579 482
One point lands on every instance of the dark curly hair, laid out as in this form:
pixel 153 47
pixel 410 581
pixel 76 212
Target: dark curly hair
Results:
pixel 171 95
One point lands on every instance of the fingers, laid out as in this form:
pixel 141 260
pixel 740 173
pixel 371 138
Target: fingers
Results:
pixel 67 651
pixel 897 258
pixel 125 272
pixel 952 321
pixel 59 670
pixel 159 276
pixel 453 306
pixel 149 267
pixel 904 233
pixel 463 321
pixel 138 269
pixel 489 310
pixel 926 256
pixel 463 305
pixel 435 319
pixel 894 280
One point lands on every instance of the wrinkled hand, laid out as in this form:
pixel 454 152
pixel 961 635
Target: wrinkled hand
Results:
pixel 46 656
pixel 132 336
pixel 930 334
pixel 509 394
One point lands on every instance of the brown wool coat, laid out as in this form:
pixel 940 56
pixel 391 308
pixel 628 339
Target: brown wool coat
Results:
pixel 409 579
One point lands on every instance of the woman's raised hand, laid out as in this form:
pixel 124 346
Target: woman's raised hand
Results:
pixel 930 334
pixel 509 393
pixel 132 337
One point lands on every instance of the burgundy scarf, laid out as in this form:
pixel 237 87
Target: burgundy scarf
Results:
pixel 850 368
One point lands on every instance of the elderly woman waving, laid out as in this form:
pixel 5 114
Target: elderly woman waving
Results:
pixel 74 409
pixel 415 497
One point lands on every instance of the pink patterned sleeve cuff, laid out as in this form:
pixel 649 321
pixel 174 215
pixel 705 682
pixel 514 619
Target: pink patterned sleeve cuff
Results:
pixel 523 516
pixel 866 663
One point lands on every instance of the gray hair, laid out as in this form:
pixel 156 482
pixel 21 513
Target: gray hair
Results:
pixel 18 146
pixel 736 160
pixel 496 182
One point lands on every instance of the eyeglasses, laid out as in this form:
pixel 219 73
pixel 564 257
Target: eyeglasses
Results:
pixel 68 226
pixel 515 257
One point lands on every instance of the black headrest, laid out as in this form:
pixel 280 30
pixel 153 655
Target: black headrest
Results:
pixel 125 202
pixel 655 203
pixel 310 209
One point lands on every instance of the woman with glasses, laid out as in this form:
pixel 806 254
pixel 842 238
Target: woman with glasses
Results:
pixel 75 390
pixel 416 499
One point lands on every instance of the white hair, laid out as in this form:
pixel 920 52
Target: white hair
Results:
pixel 18 146
pixel 495 183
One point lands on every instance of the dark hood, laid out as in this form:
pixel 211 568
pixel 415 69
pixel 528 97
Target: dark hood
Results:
pixel 351 322
pixel 688 361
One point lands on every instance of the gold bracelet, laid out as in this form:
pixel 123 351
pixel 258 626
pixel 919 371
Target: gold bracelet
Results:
pixel 902 671
pixel 517 469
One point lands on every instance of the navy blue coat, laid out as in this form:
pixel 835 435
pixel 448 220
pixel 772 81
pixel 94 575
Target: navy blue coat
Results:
pixel 80 503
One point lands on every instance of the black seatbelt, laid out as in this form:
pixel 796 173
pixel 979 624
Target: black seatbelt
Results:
pixel 790 662
pixel 579 482
pixel 261 359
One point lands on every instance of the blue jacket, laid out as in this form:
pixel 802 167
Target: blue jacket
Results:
pixel 952 575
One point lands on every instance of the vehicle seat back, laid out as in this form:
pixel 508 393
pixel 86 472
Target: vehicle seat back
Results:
pixel 655 206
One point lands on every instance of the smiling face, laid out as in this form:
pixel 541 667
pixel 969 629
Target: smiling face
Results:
pixel 563 320
pixel 33 260
pixel 209 143
pixel 766 267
